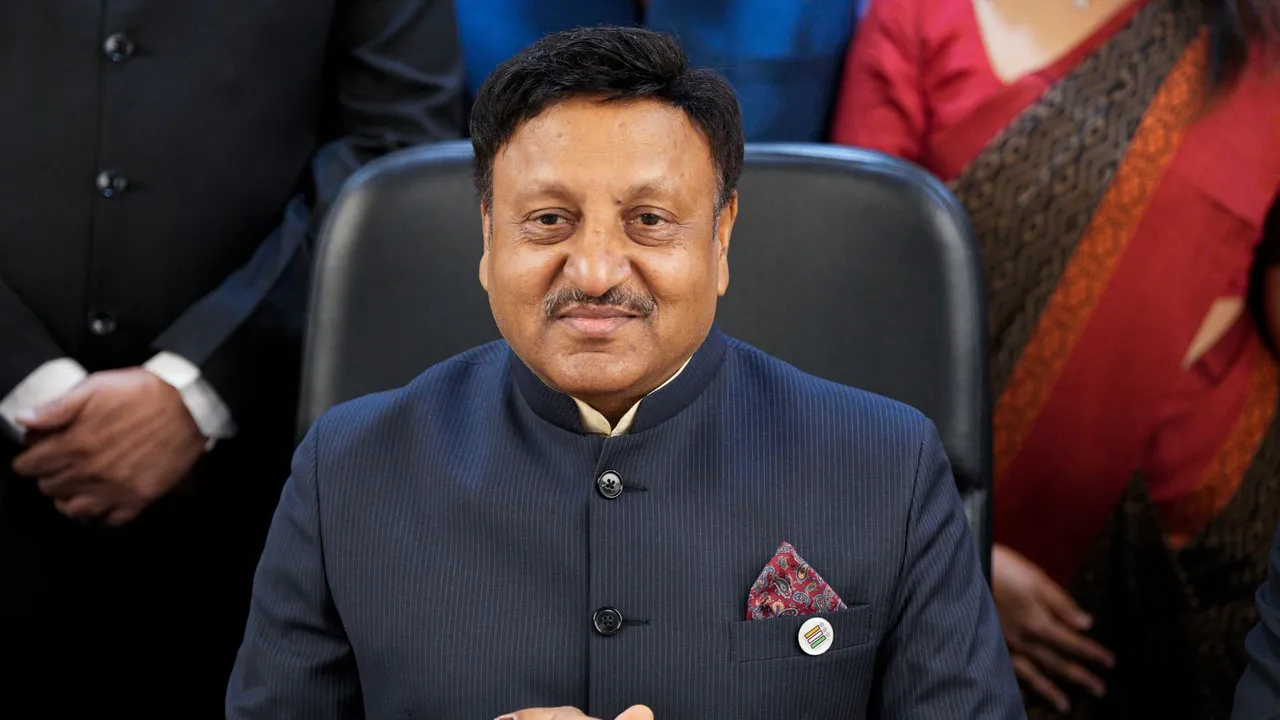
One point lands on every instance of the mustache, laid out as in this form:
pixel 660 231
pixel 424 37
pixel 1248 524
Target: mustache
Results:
pixel 633 302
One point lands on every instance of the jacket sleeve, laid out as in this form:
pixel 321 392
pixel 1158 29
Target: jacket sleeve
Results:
pixel 27 345
pixel 944 655
pixel 296 661
pixel 1258 694
pixel 398 83
pixel 33 370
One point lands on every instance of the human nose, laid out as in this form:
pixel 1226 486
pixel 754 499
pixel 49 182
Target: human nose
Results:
pixel 598 259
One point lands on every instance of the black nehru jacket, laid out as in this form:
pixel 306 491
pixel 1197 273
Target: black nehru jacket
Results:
pixel 165 163
pixel 162 160
pixel 462 547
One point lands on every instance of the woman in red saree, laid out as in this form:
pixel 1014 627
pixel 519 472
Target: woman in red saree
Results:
pixel 1120 192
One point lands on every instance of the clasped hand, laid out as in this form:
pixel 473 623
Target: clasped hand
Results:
pixel 110 447
pixel 635 712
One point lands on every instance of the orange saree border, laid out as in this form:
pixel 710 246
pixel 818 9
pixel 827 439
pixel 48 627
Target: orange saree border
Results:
pixel 1089 271
pixel 1220 480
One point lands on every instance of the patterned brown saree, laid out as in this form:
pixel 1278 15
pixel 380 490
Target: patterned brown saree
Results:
pixel 1147 487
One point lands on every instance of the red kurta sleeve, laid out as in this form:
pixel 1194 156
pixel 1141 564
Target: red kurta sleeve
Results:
pixel 881 100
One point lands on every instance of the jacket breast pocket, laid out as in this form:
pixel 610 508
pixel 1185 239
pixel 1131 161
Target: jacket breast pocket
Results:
pixel 778 637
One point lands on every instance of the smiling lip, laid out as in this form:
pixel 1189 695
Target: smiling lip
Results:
pixel 596 321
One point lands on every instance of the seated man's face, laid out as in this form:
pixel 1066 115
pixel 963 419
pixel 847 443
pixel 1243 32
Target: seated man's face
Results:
pixel 603 259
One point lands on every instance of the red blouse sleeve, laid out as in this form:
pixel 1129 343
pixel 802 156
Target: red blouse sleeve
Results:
pixel 881 98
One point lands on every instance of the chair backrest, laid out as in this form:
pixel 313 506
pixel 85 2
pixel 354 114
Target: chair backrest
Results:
pixel 850 265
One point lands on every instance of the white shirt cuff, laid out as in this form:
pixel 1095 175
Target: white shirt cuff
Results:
pixel 45 384
pixel 208 411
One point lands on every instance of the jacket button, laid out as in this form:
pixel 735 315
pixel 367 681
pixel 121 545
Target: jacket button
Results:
pixel 102 323
pixel 118 48
pixel 609 485
pixel 111 183
pixel 608 621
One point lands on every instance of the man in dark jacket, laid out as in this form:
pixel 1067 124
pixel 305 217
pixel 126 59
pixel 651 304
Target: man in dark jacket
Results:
pixel 599 511
pixel 166 166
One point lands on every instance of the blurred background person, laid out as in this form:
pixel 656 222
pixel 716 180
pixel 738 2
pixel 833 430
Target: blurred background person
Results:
pixel 1119 160
pixel 1258 694
pixel 166 165
pixel 783 58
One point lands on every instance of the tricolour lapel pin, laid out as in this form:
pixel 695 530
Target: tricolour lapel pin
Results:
pixel 815 636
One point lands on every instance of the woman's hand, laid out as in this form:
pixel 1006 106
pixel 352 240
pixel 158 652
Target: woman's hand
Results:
pixel 1045 629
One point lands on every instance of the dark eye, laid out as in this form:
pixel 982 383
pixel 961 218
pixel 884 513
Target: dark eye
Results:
pixel 548 219
pixel 651 220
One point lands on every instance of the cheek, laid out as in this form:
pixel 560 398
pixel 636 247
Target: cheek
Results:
pixel 521 278
pixel 683 279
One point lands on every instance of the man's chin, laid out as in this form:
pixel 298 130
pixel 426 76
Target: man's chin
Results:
pixel 595 374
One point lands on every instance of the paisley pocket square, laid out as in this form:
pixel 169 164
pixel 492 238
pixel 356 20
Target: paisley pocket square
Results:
pixel 788 586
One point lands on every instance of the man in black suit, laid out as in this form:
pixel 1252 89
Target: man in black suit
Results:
pixel 165 165
pixel 618 506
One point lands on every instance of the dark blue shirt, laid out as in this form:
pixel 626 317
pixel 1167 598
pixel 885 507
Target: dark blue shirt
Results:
pixel 783 58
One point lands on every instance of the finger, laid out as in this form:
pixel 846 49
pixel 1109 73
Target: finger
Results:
pixel 48 457
pixel 56 414
pixel 1065 640
pixel 636 712
pixel 121 516
pixel 63 484
pixel 1049 661
pixel 81 507
pixel 1031 677
pixel 1063 606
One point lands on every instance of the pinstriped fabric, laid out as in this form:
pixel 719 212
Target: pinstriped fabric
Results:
pixel 440 550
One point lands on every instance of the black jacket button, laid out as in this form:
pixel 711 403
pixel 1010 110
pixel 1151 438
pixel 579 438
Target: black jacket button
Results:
pixel 118 48
pixel 111 183
pixel 102 323
pixel 609 485
pixel 608 621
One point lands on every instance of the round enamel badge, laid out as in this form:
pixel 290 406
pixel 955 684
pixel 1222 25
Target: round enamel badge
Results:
pixel 815 636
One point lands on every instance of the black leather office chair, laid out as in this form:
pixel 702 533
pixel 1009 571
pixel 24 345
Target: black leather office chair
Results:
pixel 850 265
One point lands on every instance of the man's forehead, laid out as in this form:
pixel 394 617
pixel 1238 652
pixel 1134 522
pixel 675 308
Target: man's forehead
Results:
pixel 584 128
pixel 593 112
pixel 626 148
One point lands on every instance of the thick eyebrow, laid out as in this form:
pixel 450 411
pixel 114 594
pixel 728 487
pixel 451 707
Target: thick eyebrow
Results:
pixel 544 190
pixel 656 189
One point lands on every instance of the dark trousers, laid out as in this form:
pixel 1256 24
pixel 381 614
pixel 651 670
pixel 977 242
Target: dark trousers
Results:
pixel 142 621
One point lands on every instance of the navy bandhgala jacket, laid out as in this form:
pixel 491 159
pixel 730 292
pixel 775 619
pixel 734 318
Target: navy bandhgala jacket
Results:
pixel 445 551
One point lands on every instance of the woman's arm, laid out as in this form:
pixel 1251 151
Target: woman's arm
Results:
pixel 881 98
